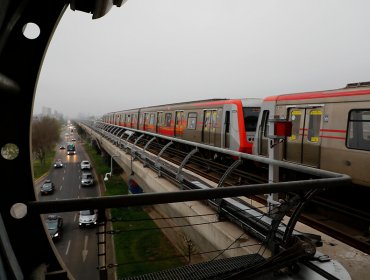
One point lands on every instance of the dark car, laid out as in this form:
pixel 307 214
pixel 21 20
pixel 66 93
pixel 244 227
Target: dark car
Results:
pixel 62 147
pixel 54 224
pixel 58 163
pixel 47 187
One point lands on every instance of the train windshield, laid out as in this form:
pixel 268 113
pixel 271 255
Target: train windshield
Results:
pixel 251 117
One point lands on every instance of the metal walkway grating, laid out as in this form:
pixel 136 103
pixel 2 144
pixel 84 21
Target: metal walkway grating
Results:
pixel 216 269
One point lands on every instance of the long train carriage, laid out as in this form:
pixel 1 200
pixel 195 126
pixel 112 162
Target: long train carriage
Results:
pixel 226 123
pixel 330 129
pixel 127 118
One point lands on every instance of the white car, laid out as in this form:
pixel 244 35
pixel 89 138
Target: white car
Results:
pixel 58 163
pixel 88 218
pixel 85 164
pixel 87 179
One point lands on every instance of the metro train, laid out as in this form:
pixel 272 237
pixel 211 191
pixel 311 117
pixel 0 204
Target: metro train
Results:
pixel 225 123
pixel 329 129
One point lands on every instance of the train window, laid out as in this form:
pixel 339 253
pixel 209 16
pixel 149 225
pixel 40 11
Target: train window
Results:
pixel 314 126
pixel 358 131
pixel 251 117
pixel 151 120
pixel 192 121
pixel 168 118
pixel 295 117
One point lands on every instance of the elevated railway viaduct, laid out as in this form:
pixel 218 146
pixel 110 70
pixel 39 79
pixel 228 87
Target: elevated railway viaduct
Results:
pixel 214 236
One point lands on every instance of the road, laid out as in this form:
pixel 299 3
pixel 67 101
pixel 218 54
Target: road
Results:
pixel 78 246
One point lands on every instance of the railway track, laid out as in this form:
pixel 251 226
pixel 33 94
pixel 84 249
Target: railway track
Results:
pixel 348 224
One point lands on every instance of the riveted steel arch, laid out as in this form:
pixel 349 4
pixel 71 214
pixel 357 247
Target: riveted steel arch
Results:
pixel 21 57
pixel 20 64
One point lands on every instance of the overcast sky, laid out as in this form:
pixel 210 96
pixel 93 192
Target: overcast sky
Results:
pixel 152 52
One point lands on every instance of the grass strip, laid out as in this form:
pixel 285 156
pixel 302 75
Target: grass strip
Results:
pixel 40 169
pixel 140 251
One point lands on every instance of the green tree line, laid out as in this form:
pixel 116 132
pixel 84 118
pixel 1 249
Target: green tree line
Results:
pixel 45 135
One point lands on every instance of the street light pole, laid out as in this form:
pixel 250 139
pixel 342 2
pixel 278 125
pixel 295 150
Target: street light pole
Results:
pixel 111 168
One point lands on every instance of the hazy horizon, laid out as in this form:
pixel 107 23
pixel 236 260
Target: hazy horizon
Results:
pixel 157 52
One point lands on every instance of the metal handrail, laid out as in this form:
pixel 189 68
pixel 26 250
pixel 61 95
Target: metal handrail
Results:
pixel 299 168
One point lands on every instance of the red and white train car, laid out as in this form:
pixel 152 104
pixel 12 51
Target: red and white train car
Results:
pixel 330 129
pixel 225 123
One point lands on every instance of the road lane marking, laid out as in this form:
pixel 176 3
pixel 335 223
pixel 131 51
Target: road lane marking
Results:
pixel 61 187
pixel 62 178
pixel 75 217
pixel 69 244
pixel 85 251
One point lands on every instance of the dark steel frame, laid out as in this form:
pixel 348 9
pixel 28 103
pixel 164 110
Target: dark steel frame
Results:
pixel 20 64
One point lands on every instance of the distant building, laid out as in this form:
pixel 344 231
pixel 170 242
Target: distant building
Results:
pixel 48 112
pixel 58 116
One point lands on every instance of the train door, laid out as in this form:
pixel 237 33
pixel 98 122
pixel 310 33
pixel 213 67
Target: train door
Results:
pixel 152 122
pixel 179 128
pixel 209 126
pixel 146 121
pixel 159 122
pixel 134 121
pixel 128 120
pixel 304 144
pixel 263 133
pixel 227 130
pixel 123 120
pixel 141 121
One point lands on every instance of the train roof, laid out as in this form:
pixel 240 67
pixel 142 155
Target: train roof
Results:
pixel 186 102
pixel 352 89
pixel 169 104
pixel 212 101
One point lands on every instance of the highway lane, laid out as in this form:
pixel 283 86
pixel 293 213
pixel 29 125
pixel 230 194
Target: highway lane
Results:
pixel 78 246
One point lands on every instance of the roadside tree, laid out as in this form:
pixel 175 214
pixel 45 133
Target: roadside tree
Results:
pixel 45 135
